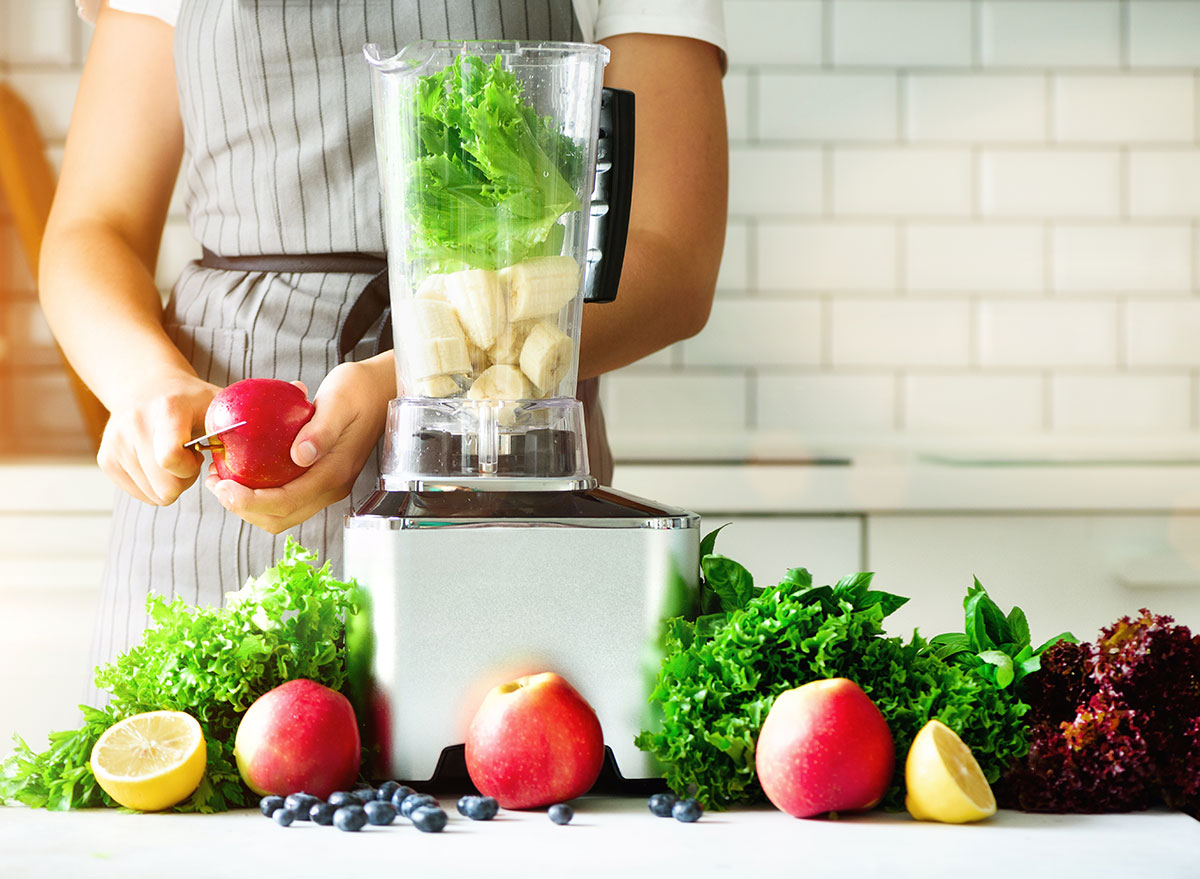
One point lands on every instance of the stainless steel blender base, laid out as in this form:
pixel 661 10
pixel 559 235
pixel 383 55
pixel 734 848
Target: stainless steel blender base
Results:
pixel 467 590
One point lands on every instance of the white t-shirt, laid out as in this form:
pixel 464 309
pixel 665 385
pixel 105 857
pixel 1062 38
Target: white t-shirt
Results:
pixel 598 19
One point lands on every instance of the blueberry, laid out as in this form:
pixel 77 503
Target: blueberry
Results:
pixel 341 798
pixel 428 819
pixel 366 795
pixel 479 808
pixel 380 813
pixel 415 801
pixel 350 818
pixel 322 813
pixel 268 805
pixel 464 804
pixel 686 811
pixel 561 813
pixel 300 803
pixel 661 804
pixel 283 817
pixel 399 795
pixel 384 791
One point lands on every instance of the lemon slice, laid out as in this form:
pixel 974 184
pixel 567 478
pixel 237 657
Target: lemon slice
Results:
pixel 150 761
pixel 944 780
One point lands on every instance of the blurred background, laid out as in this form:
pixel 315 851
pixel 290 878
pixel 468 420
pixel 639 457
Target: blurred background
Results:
pixel 957 329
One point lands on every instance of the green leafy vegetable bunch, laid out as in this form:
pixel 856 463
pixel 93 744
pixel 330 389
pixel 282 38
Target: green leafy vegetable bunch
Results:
pixel 724 670
pixel 493 176
pixel 210 662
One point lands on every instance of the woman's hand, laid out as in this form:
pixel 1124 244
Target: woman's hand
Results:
pixel 142 447
pixel 351 407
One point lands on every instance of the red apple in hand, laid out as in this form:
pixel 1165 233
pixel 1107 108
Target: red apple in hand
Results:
pixel 257 454
pixel 534 741
pixel 301 736
pixel 824 747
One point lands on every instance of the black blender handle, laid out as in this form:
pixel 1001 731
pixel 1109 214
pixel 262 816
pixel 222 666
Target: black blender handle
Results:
pixel 611 198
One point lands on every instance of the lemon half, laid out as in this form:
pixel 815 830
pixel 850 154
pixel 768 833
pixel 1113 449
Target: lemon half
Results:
pixel 150 761
pixel 944 780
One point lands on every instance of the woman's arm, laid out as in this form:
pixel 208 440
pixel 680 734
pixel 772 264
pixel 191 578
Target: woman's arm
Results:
pixel 680 191
pixel 99 251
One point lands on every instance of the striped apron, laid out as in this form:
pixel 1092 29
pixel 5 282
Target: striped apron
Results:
pixel 275 97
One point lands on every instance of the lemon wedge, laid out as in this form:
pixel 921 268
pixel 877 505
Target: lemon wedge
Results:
pixel 150 761
pixel 944 780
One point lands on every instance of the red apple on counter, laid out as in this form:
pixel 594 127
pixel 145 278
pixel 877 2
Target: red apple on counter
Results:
pixel 533 742
pixel 301 736
pixel 824 747
pixel 257 454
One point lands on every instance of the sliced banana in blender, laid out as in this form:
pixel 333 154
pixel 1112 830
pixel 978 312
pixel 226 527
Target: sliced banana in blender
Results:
pixel 433 340
pixel 437 386
pixel 508 344
pixel 433 287
pixel 501 382
pixel 541 286
pixel 479 301
pixel 546 356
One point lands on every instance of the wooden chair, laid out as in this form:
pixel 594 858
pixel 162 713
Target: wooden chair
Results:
pixel 27 184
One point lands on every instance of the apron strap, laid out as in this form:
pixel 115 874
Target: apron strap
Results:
pixel 371 306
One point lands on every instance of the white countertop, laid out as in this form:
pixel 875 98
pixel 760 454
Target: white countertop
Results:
pixel 608 837
pixel 870 482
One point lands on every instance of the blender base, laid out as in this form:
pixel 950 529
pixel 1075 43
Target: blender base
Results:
pixel 465 590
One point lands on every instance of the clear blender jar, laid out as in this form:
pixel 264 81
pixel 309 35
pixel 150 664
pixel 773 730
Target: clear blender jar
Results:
pixel 488 165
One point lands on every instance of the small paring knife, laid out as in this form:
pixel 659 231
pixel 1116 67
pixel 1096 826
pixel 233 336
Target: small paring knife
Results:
pixel 204 439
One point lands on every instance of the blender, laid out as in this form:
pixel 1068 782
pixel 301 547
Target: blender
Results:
pixel 489 551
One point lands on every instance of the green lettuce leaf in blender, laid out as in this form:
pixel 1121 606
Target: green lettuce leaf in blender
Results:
pixel 493 176
pixel 212 663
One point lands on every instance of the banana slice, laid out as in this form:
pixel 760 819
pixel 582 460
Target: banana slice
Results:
pixel 508 344
pixel 501 382
pixel 541 286
pixel 479 301
pixel 546 356
pixel 433 340
pixel 437 386
pixel 433 287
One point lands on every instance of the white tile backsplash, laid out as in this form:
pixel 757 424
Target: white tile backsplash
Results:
pixel 737 104
pixel 685 401
pixel 1164 183
pixel 41 33
pixel 1162 333
pixel 1047 334
pixel 1050 183
pixel 1127 108
pixel 1050 33
pixel 1139 404
pixel 775 181
pixel 50 95
pixel 974 107
pixel 900 181
pixel 758 332
pixel 826 257
pixel 908 332
pixel 973 403
pixel 826 403
pixel 774 32
pixel 828 106
pixel 901 33
pixel 1164 33
pixel 734 276
pixel 954 258
pixel 1122 259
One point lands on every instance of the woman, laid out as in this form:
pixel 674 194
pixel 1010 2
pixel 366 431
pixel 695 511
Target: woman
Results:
pixel 267 106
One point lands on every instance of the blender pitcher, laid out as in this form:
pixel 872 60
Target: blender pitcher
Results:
pixel 506 174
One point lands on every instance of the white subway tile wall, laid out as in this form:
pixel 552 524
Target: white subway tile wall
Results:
pixel 947 217
pixel 995 204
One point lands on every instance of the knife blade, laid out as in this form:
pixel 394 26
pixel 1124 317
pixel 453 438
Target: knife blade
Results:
pixel 209 436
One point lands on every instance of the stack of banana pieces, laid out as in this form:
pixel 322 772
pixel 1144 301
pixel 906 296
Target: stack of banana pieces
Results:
pixel 493 335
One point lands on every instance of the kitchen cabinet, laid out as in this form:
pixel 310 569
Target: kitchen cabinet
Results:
pixel 1067 571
